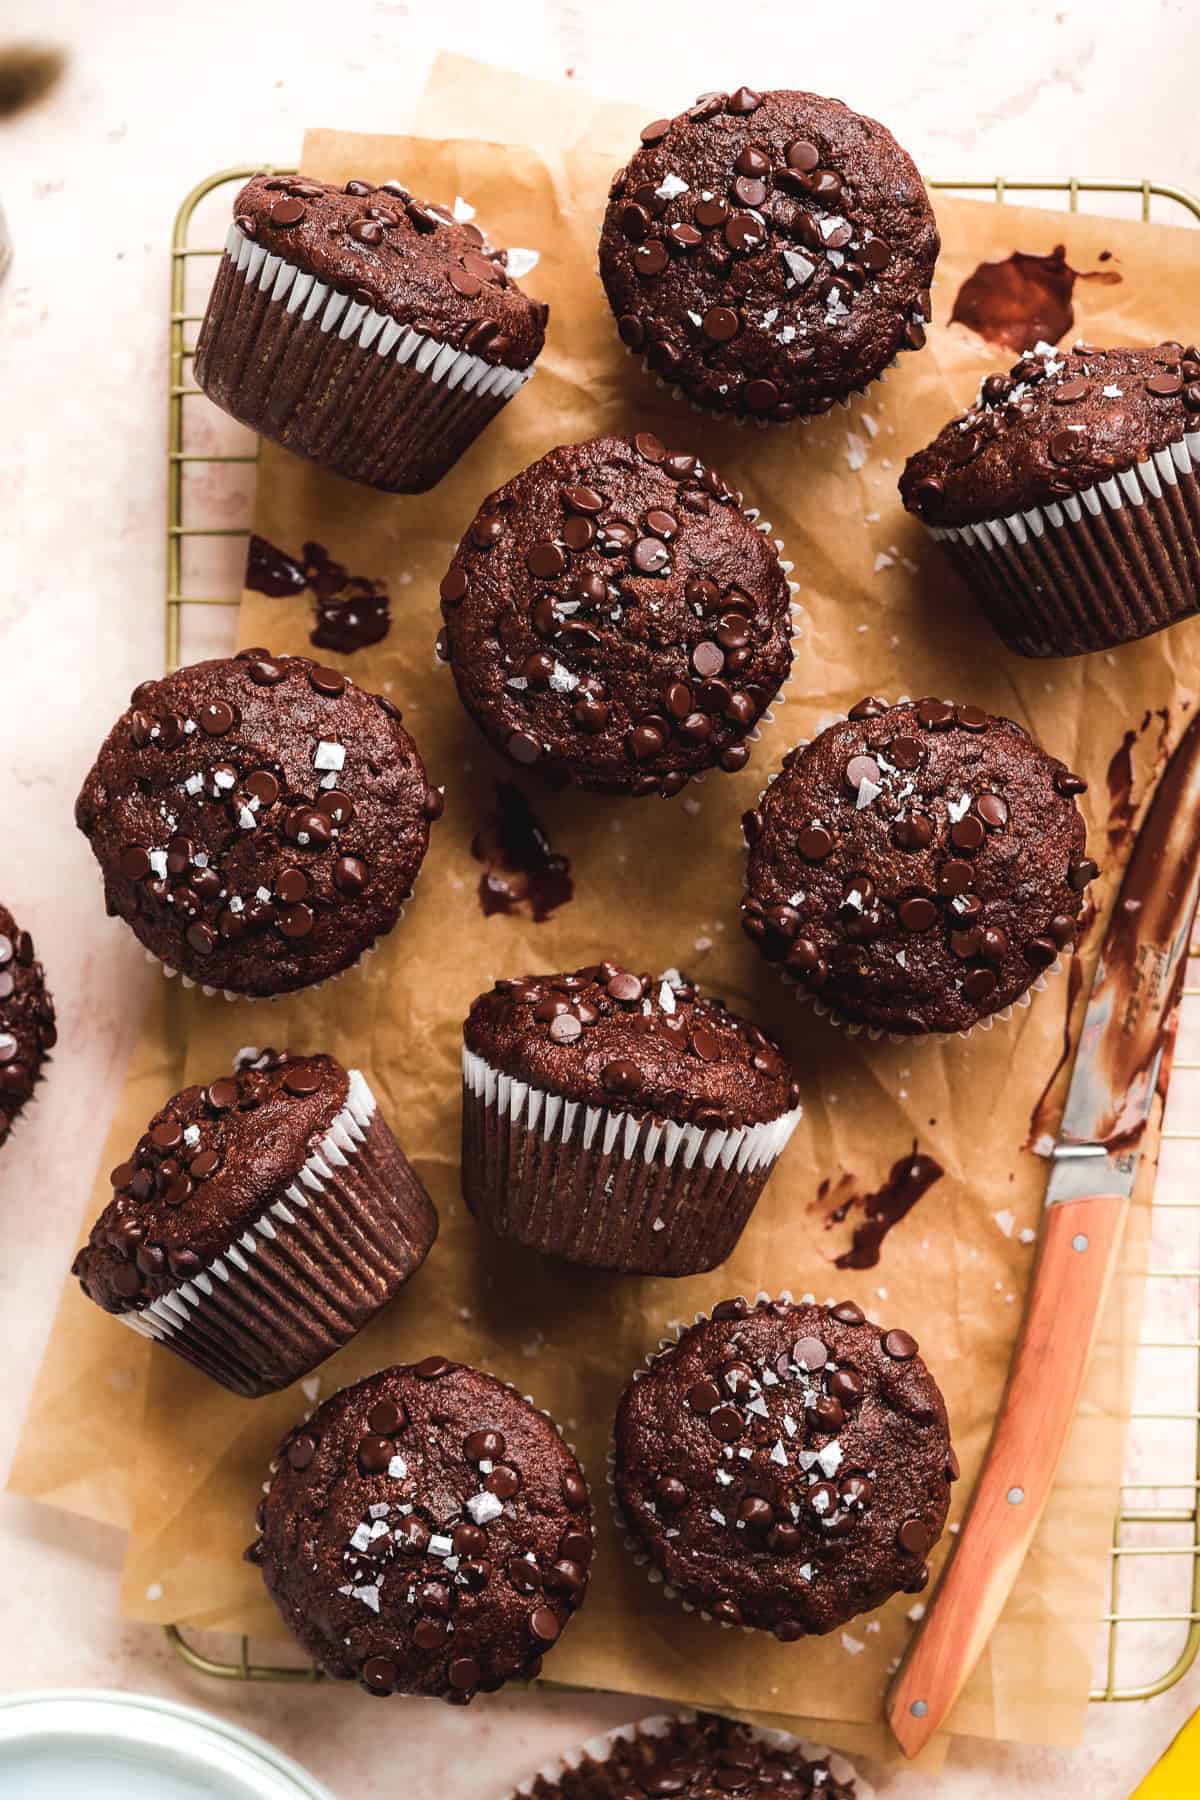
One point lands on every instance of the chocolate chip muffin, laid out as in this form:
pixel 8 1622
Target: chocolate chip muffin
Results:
pixel 259 821
pixel 426 1532
pixel 620 1120
pixel 364 328
pixel 695 1757
pixel 259 1222
pixel 27 1027
pixel 785 1466
pixel 917 867
pixel 615 620
pixel 768 254
pixel 1067 496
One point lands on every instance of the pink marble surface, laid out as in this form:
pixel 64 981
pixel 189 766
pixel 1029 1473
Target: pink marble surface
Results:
pixel 156 96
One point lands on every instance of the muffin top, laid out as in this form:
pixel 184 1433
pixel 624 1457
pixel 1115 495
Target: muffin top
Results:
pixel 635 1044
pixel 769 253
pixel 404 257
pixel 845 1487
pixel 916 866
pixel 696 1758
pixel 27 1027
pixel 259 820
pixel 615 620
pixel 426 1532
pixel 1055 424
pixel 210 1163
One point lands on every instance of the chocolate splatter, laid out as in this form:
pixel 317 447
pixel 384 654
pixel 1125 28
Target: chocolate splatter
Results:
pixel 28 72
pixel 352 611
pixel 272 571
pixel 523 874
pixel 907 1181
pixel 1122 805
pixel 1024 300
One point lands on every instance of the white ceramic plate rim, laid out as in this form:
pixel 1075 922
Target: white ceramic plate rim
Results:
pixel 101 1712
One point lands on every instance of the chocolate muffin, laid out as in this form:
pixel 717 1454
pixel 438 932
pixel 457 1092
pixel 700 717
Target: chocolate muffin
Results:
pixel 259 1222
pixel 27 1027
pixel 614 619
pixel 426 1532
pixel 259 821
pixel 620 1120
pixel 785 1466
pixel 366 329
pixel 1067 496
pixel 697 1756
pixel 917 867
pixel 768 254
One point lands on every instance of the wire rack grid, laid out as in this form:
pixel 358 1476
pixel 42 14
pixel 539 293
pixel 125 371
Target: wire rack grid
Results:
pixel 1151 1625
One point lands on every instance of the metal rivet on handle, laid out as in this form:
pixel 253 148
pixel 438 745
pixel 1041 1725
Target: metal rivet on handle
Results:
pixel 919 1708
pixel 1015 1496
pixel 1079 1241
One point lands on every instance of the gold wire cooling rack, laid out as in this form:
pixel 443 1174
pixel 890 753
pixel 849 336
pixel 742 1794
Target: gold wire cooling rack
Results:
pixel 210 468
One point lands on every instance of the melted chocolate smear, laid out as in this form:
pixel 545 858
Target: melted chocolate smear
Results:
pixel 522 874
pixel 1122 805
pixel 1025 299
pixel 907 1181
pixel 272 571
pixel 351 610
pixel 28 72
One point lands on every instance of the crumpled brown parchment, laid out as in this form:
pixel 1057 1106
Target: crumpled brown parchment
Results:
pixel 130 1435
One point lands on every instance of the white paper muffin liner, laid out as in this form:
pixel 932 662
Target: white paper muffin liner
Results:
pixel 605 1188
pixel 320 1260
pixel 337 381
pixel 598 1748
pixel 876 1033
pixel 1099 568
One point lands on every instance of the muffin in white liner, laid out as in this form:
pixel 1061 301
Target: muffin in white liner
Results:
pixel 1068 496
pixel 702 1755
pixel 618 1121
pixel 363 328
pixel 845 1463
pixel 260 1222
pixel 917 868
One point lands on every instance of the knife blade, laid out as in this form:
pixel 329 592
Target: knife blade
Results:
pixel 1124 1052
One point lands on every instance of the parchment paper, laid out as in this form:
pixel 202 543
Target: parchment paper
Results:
pixel 119 1432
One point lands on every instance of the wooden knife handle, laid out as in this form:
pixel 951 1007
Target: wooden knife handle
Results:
pixel 1077 1252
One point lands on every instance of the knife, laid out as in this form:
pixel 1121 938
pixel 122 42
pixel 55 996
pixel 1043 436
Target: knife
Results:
pixel 1124 1054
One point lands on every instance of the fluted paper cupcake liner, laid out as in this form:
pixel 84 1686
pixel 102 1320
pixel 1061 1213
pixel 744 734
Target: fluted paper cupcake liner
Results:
pixel 875 1033
pixel 599 1748
pixel 311 1270
pixel 1100 568
pixel 334 380
pixel 611 1190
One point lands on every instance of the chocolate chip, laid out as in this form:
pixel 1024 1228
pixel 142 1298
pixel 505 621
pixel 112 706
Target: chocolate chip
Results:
pixel 287 212
pixel 810 1353
pixel 523 748
pixel 899 1345
pixel 387 1417
pixel 721 323
pixel 814 842
pixel 300 1451
pixel 544 1625
pixel 917 913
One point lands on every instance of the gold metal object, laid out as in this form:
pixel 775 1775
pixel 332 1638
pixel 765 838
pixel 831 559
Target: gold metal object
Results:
pixel 1142 1515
